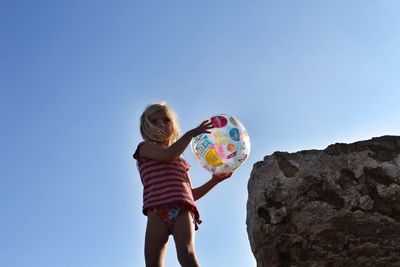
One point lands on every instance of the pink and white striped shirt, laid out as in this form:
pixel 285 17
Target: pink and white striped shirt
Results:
pixel 165 184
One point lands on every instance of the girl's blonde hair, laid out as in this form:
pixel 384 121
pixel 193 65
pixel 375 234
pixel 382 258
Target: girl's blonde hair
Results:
pixel 150 132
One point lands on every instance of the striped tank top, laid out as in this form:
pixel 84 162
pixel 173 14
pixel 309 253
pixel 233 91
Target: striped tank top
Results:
pixel 165 184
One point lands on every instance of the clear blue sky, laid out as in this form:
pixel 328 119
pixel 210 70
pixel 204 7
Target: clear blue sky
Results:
pixel 76 75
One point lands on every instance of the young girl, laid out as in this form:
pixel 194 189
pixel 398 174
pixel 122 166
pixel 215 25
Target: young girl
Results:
pixel 168 197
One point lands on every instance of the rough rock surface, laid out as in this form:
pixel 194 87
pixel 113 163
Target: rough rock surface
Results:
pixel 334 207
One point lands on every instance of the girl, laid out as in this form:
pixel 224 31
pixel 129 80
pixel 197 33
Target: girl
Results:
pixel 168 197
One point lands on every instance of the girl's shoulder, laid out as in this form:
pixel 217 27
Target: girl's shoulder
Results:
pixel 136 153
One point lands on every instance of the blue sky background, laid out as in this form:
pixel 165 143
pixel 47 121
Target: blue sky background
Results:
pixel 76 75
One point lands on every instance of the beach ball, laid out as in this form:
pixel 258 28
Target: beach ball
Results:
pixel 225 148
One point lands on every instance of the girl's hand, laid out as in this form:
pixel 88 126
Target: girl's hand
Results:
pixel 216 178
pixel 204 127
pixel 219 177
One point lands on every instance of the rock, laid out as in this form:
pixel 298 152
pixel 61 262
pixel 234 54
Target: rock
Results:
pixel 334 207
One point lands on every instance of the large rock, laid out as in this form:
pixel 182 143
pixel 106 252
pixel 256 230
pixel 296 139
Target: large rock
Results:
pixel 334 207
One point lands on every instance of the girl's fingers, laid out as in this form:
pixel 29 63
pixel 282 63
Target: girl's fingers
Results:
pixel 208 124
pixel 204 127
pixel 223 175
pixel 227 174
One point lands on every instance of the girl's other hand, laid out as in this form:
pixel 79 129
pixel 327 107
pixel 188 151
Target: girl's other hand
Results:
pixel 204 127
pixel 219 177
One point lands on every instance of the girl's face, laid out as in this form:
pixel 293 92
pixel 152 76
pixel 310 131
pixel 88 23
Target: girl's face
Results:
pixel 161 120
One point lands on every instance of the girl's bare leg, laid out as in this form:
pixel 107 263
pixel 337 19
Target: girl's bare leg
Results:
pixel 156 241
pixel 183 233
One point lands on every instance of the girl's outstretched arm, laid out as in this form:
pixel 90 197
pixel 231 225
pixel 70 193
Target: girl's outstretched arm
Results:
pixel 200 191
pixel 153 151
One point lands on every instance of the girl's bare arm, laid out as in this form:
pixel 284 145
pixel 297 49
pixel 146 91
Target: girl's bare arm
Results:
pixel 156 152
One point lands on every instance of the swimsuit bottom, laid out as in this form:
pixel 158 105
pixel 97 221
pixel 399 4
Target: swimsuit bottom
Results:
pixel 170 214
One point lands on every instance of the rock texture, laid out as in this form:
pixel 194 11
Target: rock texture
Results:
pixel 334 207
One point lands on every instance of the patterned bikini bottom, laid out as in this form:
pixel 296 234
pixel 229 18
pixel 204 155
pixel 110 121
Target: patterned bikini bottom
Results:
pixel 170 214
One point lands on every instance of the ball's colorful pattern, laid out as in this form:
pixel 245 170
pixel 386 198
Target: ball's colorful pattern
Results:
pixel 225 148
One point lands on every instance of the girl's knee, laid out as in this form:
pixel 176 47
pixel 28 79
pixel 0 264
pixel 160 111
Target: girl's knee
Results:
pixel 153 264
pixel 187 258
pixel 154 260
